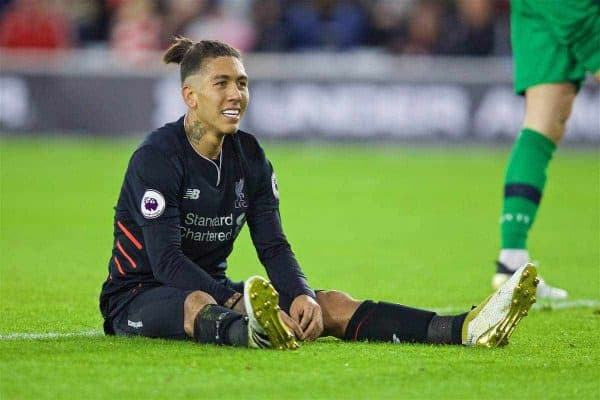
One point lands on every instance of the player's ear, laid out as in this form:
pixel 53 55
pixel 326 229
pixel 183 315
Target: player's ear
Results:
pixel 189 96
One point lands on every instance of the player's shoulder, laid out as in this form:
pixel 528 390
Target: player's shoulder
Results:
pixel 166 139
pixel 163 143
pixel 250 145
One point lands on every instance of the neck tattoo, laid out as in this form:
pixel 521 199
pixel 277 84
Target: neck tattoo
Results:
pixel 195 131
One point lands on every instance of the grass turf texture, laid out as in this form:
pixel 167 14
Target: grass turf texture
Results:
pixel 412 225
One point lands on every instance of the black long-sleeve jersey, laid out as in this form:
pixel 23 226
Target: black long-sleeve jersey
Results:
pixel 179 213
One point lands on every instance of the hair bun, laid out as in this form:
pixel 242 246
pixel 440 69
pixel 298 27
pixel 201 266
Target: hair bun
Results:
pixel 178 49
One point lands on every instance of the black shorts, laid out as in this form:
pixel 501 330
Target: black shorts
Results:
pixel 158 312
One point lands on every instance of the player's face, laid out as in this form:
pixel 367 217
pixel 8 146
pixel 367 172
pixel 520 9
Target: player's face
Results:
pixel 221 92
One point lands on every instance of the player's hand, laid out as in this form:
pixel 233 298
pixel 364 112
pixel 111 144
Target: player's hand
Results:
pixel 293 325
pixel 307 313
pixel 236 303
pixel 240 306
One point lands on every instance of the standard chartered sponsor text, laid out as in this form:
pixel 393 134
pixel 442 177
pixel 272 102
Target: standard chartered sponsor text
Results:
pixel 222 234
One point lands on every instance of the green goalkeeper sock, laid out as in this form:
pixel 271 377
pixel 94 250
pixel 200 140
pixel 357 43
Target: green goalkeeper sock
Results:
pixel 523 186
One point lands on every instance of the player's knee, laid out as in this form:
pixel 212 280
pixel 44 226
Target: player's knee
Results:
pixel 194 302
pixel 333 297
pixel 548 108
pixel 563 110
pixel 337 309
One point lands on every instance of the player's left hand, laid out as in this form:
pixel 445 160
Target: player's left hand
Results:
pixel 307 312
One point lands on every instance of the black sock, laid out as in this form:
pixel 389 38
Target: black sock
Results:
pixel 446 330
pixel 220 325
pixel 388 322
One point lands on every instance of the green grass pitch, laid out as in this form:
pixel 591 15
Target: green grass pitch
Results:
pixel 417 226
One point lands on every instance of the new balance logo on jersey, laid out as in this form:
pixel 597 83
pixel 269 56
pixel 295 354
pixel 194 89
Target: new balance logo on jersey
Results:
pixel 192 194
pixel 135 324
pixel 240 201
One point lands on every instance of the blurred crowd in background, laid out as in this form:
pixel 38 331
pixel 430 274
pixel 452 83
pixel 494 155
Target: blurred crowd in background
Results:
pixel 417 27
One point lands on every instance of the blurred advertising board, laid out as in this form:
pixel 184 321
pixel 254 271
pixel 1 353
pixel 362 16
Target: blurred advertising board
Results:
pixel 310 96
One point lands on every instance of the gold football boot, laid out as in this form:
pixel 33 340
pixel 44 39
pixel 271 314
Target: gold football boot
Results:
pixel 491 323
pixel 265 327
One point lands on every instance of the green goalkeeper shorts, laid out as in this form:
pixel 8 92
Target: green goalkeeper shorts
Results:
pixel 554 41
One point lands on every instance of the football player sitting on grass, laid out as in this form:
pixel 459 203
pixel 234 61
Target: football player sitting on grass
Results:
pixel 188 190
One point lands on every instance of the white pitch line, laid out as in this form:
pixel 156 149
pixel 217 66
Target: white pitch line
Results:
pixel 540 306
pixel 50 335
pixel 563 305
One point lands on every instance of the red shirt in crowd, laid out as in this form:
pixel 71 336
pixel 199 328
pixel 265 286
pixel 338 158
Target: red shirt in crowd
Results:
pixel 30 28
